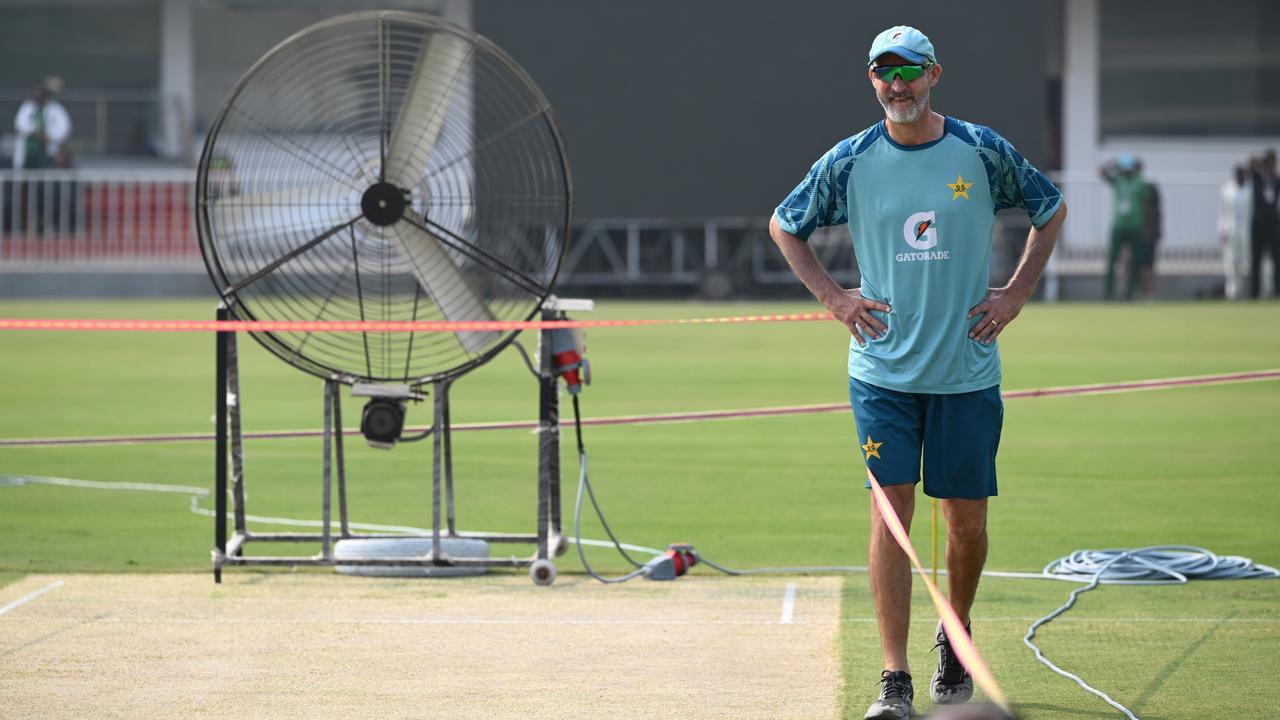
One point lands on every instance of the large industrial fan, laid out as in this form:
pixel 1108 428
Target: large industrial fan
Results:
pixel 384 166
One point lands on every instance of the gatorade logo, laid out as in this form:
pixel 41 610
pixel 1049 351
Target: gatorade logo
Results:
pixel 921 232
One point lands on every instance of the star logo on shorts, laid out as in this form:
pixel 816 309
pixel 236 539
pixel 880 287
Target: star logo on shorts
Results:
pixel 960 188
pixel 872 449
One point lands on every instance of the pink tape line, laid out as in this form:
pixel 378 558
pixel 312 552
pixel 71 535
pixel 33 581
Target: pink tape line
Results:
pixel 960 640
pixel 373 326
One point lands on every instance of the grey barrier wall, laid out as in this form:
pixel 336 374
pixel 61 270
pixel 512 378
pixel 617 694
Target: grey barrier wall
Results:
pixel 717 108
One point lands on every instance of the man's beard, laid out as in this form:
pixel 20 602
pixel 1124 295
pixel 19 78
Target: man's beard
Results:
pixel 904 116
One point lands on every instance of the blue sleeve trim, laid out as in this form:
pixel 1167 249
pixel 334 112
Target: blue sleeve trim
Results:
pixel 1014 181
pixel 1045 215
pixel 821 198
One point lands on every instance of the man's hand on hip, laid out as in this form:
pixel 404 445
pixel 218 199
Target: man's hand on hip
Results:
pixel 850 308
pixel 997 311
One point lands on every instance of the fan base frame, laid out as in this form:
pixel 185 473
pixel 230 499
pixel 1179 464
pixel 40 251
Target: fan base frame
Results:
pixel 228 550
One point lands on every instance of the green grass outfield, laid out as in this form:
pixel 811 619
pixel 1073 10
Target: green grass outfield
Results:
pixel 1195 465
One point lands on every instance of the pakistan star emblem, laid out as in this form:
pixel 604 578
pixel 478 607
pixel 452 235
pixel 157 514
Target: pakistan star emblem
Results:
pixel 872 449
pixel 960 188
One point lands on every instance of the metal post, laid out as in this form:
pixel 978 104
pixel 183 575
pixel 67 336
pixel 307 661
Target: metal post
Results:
pixel 237 435
pixel 447 443
pixel 325 540
pixel 220 451
pixel 710 248
pixel 548 440
pixel 100 113
pixel 633 250
pixel 342 464
pixel 437 453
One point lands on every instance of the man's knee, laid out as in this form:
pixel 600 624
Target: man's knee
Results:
pixel 966 521
pixel 902 498
pixel 967 532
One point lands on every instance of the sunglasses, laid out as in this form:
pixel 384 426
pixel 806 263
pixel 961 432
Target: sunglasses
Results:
pixel 887 73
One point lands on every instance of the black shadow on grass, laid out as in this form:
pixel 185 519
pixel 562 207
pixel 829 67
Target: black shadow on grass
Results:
pixel 1163 676
pixel 1055 711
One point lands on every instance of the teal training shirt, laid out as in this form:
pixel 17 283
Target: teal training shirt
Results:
pixel 920 217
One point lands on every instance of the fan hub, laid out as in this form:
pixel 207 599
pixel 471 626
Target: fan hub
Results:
pixel 384 204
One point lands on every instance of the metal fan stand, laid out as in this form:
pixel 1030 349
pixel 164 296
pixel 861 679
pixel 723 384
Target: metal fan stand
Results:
pixel 549 537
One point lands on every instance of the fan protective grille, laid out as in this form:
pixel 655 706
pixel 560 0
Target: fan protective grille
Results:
pixel 384 166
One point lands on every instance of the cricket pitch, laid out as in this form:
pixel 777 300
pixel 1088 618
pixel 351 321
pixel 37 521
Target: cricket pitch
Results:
pixel 309 644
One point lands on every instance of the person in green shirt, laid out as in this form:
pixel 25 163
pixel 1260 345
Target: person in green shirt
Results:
pixel 42 127
pixel 1130 188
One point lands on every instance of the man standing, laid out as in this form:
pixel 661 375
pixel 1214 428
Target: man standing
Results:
pixel 1127 218
pixel 1235 213
pixel 42 125
pixel 1265 227
pixel 918 191
pixel 1152 231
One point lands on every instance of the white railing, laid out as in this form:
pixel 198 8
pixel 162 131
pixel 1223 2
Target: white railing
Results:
pixel 103 122
pixel 97 218
pixel 142 219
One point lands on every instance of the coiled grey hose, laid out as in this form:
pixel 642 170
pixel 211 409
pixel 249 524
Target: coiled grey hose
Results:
pixel 1156 565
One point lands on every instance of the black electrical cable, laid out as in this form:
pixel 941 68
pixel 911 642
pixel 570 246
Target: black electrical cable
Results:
pixel 583 482
pixel 582 454
pixel 418 436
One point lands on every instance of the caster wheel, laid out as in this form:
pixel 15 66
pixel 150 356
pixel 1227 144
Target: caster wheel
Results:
pixel 559 544
pixel 542 572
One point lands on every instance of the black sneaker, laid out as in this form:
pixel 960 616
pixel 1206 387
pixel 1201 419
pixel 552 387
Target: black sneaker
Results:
pixel 895 698
pixel 951 683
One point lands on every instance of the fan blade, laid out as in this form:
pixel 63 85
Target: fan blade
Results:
pixel 307 209
pixel 422 115
pixel 444 282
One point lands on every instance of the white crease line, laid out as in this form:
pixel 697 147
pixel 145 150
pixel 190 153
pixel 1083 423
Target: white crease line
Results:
pixel 1225 621
pixel 434 621
pixel 28 598
pixel 788 604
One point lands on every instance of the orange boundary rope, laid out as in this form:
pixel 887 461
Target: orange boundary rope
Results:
pixel 373 326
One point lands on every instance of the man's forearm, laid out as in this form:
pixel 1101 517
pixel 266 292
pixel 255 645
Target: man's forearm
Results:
pixel 804 263
pixel 1040 242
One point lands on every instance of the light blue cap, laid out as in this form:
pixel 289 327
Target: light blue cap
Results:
pixel 1127 162
pixel 905 42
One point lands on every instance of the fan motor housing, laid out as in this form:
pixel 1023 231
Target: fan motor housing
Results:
pixel 382 422
pixel 384 204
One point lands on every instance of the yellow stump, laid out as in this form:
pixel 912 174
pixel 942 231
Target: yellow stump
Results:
pixel 935 539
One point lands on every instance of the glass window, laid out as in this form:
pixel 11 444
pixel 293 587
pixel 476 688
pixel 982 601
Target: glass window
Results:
pixel 1177 68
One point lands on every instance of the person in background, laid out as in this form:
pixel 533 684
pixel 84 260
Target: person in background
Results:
pixel 43 126
pixel 1152 231
pixel 1124 175
pixel 1235 213
pixel 1265 226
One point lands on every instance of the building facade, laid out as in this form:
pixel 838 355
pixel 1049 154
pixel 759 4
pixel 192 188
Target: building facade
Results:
pixel 679 112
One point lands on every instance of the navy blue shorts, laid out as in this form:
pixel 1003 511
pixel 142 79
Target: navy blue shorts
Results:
pixel 956 436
